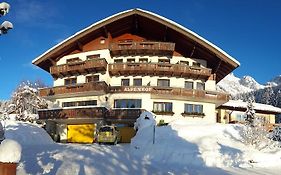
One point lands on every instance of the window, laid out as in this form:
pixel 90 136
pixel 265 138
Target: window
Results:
pixel 137 82
pixel 127 103
pixel 163 82
pixel 184 63
pixel 188 84
pixel 162 107
pixel 195 64
pixel 143 60
pixel 68 104
pixel 193 109
pixel 93 56
pixel 92 78
pixel 131 60
pixel 125 82
pixel 70 81
pixel 73 60
pixel 163 61
pixel 200 86
pixel 80 103
pixel 118 61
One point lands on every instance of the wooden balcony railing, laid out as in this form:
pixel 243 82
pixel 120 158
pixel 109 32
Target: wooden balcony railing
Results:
pixel 173 93
pixel 124 114
pixel 160 69
pixel 135 48
pixel 73 112
pixel 85 87
pixel 80 67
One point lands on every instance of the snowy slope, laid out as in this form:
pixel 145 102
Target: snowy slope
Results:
pixel 233 85
pixel 192 147
pixel 180 148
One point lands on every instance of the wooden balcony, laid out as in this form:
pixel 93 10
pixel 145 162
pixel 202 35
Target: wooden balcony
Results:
pixel 99 87
pixel 142 48
pixel 159 69
pixel 174 93
pixel 79 67
pixel 124 114
pixel 72 113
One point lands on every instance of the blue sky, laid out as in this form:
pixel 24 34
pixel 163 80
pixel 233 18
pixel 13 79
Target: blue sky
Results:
pixel 248 30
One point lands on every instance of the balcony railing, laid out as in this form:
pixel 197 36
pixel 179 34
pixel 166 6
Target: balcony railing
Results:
pixel 161 69
pixel 124 114
pixel 135 48
pixel 80 67
pixel 73 112
pixel 173 93
pixel 100 86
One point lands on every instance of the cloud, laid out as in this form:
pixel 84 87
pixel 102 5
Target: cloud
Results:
pixel 36 13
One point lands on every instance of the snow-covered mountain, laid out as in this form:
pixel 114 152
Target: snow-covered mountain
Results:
pixel 275 81
pixel 246 87
pixel 234 85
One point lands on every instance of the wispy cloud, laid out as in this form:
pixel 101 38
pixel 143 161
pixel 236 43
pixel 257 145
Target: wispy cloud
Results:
pixel 36 13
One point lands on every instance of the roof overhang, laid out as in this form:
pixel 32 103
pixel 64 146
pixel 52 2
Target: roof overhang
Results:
pixel 65 44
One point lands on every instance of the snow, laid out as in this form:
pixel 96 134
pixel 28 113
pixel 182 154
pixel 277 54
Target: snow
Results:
pixel 257 106
pixel 101 22
pixel 10 151
pixel 234 85
pixel 182 147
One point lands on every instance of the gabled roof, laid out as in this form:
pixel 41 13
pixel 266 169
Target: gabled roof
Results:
pixel 65 44
pixel 242 106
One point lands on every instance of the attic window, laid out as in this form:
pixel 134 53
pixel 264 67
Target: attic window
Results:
pixel 102 41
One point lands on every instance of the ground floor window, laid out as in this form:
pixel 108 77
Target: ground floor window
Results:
pixel 195 109
pixel 162 107
pixel 127 103
pixel 80 103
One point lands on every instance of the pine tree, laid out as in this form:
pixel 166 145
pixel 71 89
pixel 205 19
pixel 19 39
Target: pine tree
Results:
pixel 255 132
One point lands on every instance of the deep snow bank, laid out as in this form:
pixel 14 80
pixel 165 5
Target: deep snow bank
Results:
pixel 183 143
pixel 26 133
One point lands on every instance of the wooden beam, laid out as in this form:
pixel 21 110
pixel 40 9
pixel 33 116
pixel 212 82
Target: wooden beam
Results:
pixel 80 46
pixel 105 31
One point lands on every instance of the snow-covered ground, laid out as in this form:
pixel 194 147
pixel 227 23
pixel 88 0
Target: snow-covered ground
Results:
pixel 179 148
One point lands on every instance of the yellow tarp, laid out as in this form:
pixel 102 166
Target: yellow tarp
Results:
pixel 83 133
pixel 126 133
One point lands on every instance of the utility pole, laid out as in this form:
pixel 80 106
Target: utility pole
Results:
pixel 6 25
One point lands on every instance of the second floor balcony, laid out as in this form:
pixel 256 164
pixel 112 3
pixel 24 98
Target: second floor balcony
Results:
pixel 142 48
pixel 159 69
pixel 79 67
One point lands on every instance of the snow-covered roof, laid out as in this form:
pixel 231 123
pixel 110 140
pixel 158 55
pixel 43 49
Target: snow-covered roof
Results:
pixel 194 36
pixel 257 106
